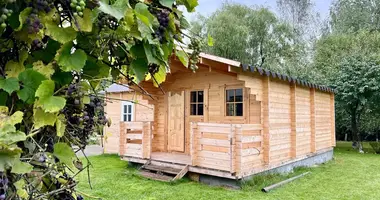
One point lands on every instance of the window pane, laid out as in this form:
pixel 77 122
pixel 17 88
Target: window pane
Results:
pixel 129 109
pixel 124 118
pixel 239 109
pixel 200 97
pixel 193 109
pixel 129 118
pixel 239 95
pixel 125 108
pixel 230 109
pixel 200 109
pixel 193 97
pixel 230 95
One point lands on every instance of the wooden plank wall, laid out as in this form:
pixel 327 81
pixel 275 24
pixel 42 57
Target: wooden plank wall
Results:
pixel 143 112
pixel 251 146
pixel 303 120
pixel 322 120
pixel 135 139
pixel 293 117
pixel 279 121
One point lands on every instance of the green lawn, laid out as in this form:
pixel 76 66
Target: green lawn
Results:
pixel 349 176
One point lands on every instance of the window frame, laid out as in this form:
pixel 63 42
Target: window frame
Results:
pixel 226 103
pixel 197 103
pixel 129 112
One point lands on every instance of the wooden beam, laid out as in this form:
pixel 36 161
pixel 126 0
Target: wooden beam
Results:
pixel 312 120
pixel 332 112
pixel 122 139
pixel 193 142
pixel 266 133
pixel 293 122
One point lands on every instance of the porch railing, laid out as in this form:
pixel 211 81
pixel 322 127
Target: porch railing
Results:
pixel 226 147
pixel 135 139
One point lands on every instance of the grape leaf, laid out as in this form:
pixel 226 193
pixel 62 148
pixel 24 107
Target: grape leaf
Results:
pixel 12 137
pixel 116 10
pixel 160 76
pixel 9 85
pixel 183 57
pixel 15 118
pixel 8 156
pixel 42 118
pixel 70 61
pixel 21 167
pixel 22 17
pixel 30 80
pixel 46 70
pixel 85 22
pixel 21 192
pixel 62 35
pixel 60 125
pixel 149 52
pixel 143 14
pixel 13 69
pixel 189 4
pixel 64 153
pixel 140 68
pixel 47 101
pixel 167 3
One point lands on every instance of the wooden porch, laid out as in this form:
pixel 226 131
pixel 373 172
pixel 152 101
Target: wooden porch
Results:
pixel 224 150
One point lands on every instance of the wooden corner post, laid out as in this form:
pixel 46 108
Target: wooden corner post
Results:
pixel 266 133
pixel 193 142
pixel 312 120
pixel 293 122
pixel 122 139
pixel 332 112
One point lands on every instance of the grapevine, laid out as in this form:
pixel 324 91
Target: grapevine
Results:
pixel 55 58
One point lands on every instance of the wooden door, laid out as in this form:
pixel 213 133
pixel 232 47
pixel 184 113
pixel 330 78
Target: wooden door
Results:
pixel 176 121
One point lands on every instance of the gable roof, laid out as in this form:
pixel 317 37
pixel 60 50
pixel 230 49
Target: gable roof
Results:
pixel 265 72
pixel 118 88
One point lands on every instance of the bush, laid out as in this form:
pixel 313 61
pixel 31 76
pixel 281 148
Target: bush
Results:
pixel 375 146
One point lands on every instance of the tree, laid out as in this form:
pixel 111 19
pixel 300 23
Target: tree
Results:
pixel 356 83
pixel 54 58
pixel 251 35
pixel 353 16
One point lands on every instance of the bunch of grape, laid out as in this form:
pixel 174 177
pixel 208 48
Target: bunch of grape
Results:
pixel 194 57
pixel 153 68
pixel 78 7
pixel 36 44
pixel 41 6
pixel 163 18
pixel 92 4
pixel 105 20
pixel 33 23
pixel 3 185
pixel 4 14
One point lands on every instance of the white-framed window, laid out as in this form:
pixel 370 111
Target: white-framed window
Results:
pixel 127 111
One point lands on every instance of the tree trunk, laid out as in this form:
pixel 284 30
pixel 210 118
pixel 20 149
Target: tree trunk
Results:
pixel 355 130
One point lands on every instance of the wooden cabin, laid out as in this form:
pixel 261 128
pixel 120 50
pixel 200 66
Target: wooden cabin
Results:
pixel 123 105
pixel 228 120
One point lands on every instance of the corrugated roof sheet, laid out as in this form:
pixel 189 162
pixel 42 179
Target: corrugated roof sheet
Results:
pixel 284 77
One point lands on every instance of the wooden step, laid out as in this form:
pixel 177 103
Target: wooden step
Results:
pixel 163 172
pixel 163 169
pixel 155 176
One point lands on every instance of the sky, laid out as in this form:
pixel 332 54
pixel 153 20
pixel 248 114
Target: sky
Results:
pixel 206 7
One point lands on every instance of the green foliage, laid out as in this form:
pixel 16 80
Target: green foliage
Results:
pixel 250 35
pixel 375 146
pixel 55 58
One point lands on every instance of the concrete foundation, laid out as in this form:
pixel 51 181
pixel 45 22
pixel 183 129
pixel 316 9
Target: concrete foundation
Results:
pixel 286 168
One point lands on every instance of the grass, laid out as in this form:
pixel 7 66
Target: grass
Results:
pixel 349 176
